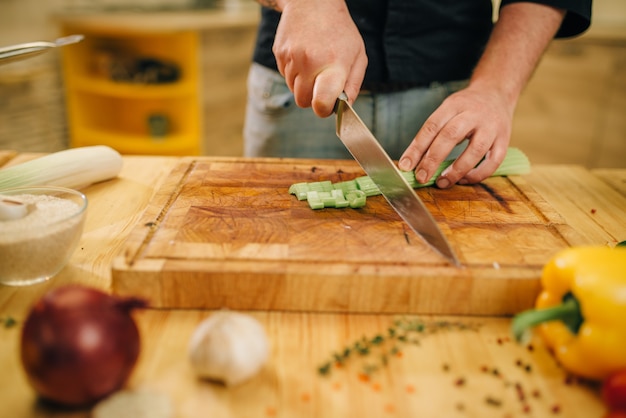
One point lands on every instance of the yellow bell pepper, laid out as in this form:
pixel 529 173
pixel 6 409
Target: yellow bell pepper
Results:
pixel 581 311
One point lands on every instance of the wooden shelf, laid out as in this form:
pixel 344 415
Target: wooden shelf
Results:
pixel 130 90
pixel 104 109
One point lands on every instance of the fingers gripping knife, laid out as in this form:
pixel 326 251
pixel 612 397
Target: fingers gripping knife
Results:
pixel 368 152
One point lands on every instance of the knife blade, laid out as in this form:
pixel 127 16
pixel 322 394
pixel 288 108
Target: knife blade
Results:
pixel 371 156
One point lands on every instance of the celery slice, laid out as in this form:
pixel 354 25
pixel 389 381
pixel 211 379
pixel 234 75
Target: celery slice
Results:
pixel 346 186
pixel 300 190
pixel 340 200
pixel 367 186
pixel 321 186
pixel 313 198
pixel 356 198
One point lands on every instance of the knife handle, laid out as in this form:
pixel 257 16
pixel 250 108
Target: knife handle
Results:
pixel 342 97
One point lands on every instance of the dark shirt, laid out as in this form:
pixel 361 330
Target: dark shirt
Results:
pixel 420 42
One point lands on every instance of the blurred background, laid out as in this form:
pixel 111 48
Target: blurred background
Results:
pixel 156 77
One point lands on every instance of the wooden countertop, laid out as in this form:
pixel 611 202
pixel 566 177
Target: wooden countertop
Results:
pixel 449 374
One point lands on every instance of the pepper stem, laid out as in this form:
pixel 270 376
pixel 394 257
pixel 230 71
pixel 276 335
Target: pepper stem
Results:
pixel 567 312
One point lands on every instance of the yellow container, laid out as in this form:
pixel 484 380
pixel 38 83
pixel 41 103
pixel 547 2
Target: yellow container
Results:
pixel 136 92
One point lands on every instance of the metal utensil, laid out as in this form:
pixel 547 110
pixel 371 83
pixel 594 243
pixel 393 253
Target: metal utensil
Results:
pixel 368 152
pixel 31 49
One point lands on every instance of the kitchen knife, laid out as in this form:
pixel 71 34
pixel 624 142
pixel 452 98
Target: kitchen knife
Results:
pixel 368 152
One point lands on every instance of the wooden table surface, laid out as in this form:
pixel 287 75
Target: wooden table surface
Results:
pixel 477 372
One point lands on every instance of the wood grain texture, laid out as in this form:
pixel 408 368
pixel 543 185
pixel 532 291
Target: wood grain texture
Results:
pixel 588 202
pixel 226 233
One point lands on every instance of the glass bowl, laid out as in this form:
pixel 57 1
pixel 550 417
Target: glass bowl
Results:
pixel 40 228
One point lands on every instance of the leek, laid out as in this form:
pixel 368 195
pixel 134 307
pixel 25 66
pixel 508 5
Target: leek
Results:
pixel 515 163
pixel 73 168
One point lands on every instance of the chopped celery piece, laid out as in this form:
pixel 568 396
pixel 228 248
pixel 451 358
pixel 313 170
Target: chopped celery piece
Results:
pixel 333 199
pixel 346 186
pixel 321 186
pixel 356 198
pixel 340 200
pixel 367 186
pixel 314 200
pixel 300 190
pixel 327 199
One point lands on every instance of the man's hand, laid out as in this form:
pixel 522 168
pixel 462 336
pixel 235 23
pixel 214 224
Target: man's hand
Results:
pixel 320 52
pixel 484 117
pixel 483 112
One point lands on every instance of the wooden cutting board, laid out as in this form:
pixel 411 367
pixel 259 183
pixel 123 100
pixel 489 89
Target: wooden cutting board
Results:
pixel 226 233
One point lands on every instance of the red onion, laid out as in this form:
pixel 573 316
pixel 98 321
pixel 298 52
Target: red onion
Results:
pixel 79 345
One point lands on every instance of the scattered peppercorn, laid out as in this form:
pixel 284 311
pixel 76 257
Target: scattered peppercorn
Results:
pixel 489 400
pixel 459 382
pixel 520 391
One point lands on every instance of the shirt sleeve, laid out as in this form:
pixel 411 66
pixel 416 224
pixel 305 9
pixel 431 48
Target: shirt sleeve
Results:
pixel 577 17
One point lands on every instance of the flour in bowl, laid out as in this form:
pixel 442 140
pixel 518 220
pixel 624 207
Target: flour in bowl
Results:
pixel 37 245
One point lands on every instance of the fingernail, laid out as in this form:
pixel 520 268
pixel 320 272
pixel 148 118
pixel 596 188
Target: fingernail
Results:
pixel 405 164
pixel 421 175
pixel 443 182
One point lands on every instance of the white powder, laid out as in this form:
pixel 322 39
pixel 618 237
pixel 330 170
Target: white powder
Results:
pixel 37 246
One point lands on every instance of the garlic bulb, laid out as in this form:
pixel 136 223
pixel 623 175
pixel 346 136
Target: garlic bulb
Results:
pixel 229 347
